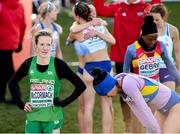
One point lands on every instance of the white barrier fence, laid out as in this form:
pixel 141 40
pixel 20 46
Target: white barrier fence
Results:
pixel 166 0
pixel 77 63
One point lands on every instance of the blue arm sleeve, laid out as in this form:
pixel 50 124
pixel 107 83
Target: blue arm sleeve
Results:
pixel 130 54
pixel 169 64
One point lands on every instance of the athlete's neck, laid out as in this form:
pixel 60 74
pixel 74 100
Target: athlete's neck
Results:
pixel 47 23
pixel 43 61
pixel 144 46
pixel 161 29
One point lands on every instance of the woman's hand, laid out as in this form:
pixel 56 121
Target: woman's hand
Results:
pixel 27 107
pixel 90 34
pixel 96 21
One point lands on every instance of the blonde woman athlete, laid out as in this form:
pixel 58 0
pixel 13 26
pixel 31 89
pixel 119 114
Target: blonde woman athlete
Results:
pixel 48 15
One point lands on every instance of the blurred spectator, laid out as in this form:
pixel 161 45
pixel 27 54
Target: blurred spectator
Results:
pixel 12 27
pixel 118 0
pixel 36 4
pixel 63 3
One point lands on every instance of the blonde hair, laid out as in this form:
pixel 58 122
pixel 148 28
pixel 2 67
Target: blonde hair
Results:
pixel 45 8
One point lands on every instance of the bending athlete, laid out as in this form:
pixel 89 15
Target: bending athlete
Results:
pixel 138 91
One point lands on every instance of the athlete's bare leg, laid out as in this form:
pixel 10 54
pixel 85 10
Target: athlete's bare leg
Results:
pixel 160 118
pixel 136 126
pixel 89 100
pixel 171 124
pixel 80 113
pixel 56 131
pixel 107 114
pixel 170 84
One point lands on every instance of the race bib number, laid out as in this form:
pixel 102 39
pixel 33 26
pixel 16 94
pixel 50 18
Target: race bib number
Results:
pixel 95 44
pixel 42 95
pixel 149 67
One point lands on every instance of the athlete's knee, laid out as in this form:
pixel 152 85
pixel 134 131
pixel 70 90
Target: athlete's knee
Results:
pixel 56 131
pixel 88 109
pixel 88 80
pixel 107 109
pixel 81 109
pixel 81 105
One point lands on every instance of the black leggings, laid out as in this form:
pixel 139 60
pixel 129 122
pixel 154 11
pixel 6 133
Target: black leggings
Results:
pixel 6 70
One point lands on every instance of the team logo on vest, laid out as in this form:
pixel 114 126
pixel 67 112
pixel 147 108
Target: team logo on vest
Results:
pixel 50 73
pixel 32 72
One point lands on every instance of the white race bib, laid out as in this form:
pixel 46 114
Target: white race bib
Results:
pixel 149 67
pixel 42 95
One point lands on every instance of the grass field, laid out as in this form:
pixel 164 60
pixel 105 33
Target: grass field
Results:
pixel 12 119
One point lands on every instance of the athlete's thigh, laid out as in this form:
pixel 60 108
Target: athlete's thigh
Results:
pixel 136 126
pixel 89 96
pixel 160 118
pixel 33 127
pixel 89 93
pixel 88 79
pixel 81 102
pixel 48 127
pixel 105 101
pixel 170 84
pixel 171 124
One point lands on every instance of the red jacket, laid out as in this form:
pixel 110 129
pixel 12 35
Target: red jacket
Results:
pixel 128 19
pixel 12 24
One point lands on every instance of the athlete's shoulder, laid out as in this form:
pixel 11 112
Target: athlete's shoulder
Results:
pixel 173 30
pixel 59 28
pixel 28 60
pixel 131 47
pixel 59 62
pixel 26 64
pixel 162 45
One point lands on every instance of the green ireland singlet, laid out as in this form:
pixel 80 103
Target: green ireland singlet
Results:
pixel 44 86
